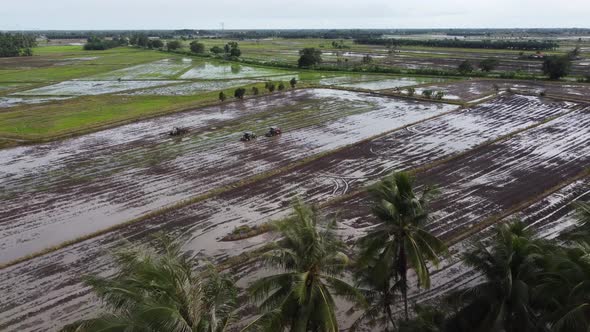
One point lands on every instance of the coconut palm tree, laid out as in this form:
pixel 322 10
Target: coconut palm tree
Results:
pixel 582 232
pixel 309 261
pixel 375 281
pixel 400 239
pixel 563 293
pixel 159 290
pixel 503 301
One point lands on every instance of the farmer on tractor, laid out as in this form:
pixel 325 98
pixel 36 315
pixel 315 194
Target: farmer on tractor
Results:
pixel 273 131
pixel 248 136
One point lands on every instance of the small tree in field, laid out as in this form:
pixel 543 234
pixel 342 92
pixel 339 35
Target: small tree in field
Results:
pixel 216 50
pixel 411 92
pixel 270 86
pixel 239 93
pixel 488 65
pixel 281 86
pixel 309 57
pixel 439 95
pixel 198 48
pixel 367 59
pixel 557 67
pixel 222 96
pixel 173 45
pixel 293 82
pixel 465 68
pixel 255 91
pixel 156 43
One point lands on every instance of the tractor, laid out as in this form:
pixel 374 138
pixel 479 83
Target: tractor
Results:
pixel 176 131
pixel 248 136
pixel 273 131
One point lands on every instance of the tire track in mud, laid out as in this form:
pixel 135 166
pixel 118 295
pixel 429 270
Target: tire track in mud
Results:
pixel 56 275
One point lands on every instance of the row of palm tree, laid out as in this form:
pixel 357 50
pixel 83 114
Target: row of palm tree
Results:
pixel 529 284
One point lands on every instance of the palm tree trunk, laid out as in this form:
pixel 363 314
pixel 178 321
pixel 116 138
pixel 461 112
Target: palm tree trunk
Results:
pixel 390 314
pixel 403 271
pixel 405 295
pixel 213 319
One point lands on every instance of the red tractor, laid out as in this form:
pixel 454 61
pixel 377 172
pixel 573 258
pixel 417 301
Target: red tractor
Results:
pixel 273 131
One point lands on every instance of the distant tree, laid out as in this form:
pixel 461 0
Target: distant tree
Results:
pixel 196 47
pixel 309 57
pixel 232 49
pixel 293 82
pixel 439 95
pixel 216 50
pixel 156 43
pixel 465 68
pixel 367 59
pixel 98 44
pixel 222 96
pixel 556 67
pixel 488 64
pixel 239 93
pixel 270 86
pixel 255 90
pixel 575 53
pixel 142 40
pixel 235 52
pixel 173 45
pixel 411 92
pixel 281 86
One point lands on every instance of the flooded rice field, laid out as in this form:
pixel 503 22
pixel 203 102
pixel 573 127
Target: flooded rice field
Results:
pixel 90 88
pixel 161 69
pixel 470 90
pixel 486 180
pixel 211 71
pixel 6 102
pixel 59 191
pixel 393 83
pixel 185 89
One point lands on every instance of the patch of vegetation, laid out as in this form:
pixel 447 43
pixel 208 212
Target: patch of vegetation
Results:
pixel 309 57
pixel 101 44
pixel 557 67
pixel 13 45
pixel 528 45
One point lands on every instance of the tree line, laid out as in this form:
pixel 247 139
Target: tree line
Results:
pixel 525 284
pixel 99 44
pixel 16 44
pixel 528 45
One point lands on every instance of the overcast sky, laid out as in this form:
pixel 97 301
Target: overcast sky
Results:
pixel 292 14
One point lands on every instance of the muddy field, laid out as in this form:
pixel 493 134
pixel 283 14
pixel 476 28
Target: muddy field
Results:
pixel 487 180
pixel 546 218
pixel 123 173
pixel 507 64
pixel 470 90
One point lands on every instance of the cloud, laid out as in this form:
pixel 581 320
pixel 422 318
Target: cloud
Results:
pixel 249 14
